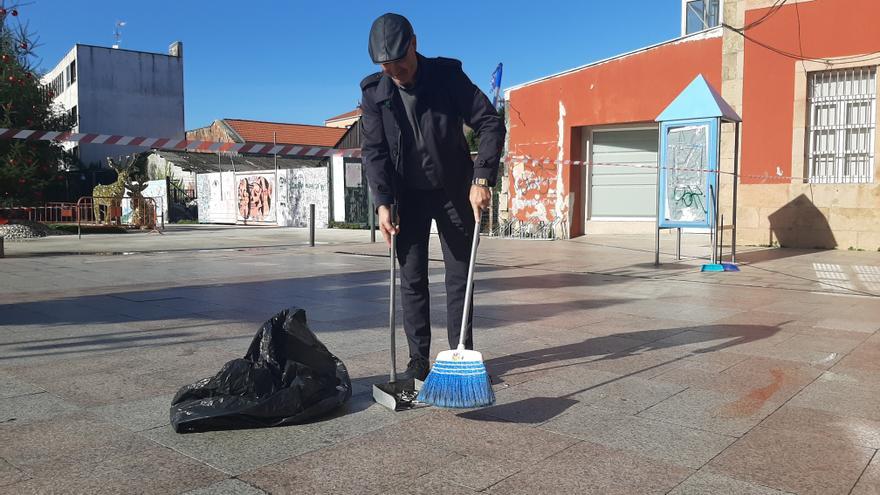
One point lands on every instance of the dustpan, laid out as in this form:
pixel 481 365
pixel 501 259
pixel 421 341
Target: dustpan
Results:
pixel 719 267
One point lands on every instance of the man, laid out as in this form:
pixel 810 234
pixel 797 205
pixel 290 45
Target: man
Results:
pixel 416 156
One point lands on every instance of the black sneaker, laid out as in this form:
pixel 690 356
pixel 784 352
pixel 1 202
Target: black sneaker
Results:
pixel 417 368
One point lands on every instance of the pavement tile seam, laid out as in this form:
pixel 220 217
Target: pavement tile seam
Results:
pixel 692 427
pixel 659 401
pixel 777 408
pixel 62 407
pixel 823 374
pixel 826 441
pixel 228 486
pixel 707 469
pixel 512 471
pixel 183 453
pixel 730 438
pixel 17 396
pixel 330 443
pixel 874 457
pixel 577 441
pixel 22 474
pixel 758 427
pixel 363 393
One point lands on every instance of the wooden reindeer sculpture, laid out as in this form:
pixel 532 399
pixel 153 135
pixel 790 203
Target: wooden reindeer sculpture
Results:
pixel 132 176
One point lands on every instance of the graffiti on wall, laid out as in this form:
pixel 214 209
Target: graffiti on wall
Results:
pixel 256 198
pixel 357 209
pixel 536 191
pixel 251 197
pixel 299 188
pixel 685 197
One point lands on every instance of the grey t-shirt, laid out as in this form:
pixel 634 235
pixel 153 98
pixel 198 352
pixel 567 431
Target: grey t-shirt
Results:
pixel 419 171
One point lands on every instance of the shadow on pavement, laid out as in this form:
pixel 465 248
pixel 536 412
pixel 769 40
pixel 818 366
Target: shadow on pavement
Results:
pixel 344 296
pixel 491 316
pixel 771 254
pixel 536 410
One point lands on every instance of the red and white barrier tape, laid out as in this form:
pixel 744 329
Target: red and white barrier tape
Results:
pixel 290 150
pixel 548 161
pixel 297 151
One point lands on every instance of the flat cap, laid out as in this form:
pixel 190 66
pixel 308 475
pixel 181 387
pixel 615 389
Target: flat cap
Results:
pixel 389 38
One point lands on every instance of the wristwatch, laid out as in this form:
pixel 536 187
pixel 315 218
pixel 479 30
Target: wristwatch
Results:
pixel 481 182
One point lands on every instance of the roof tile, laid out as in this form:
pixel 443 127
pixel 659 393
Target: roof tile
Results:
pixel 261 132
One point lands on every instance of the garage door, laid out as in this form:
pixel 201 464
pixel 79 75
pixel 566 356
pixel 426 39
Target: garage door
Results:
pixel 624 192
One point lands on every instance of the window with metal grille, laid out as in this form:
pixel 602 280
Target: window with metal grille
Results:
pixel 842 122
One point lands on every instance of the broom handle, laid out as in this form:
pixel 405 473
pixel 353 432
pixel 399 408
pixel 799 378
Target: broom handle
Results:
pixel 393 296
pixel 469 292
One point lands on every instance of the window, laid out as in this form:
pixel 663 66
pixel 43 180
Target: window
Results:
pixel 74 115
pixel 57 85
pixel 701 14
pixel 842 122
pixel 71 70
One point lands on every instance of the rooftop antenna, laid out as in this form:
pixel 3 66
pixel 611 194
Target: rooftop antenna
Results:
pixel 117 34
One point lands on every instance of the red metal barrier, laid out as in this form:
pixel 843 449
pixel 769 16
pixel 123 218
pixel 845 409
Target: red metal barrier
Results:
pixel 90 210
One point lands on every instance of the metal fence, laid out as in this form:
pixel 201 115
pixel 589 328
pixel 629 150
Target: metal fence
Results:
pixel 90 210
pixel 48 213
pixel 525 229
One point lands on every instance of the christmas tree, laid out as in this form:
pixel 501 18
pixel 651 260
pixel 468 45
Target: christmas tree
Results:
pixel 29 170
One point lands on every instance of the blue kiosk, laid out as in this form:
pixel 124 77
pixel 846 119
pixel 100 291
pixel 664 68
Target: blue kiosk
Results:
pixel 688 175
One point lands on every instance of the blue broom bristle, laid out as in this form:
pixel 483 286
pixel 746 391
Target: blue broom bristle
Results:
pixel 457 384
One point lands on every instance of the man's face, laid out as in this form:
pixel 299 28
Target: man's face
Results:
pixel 403 71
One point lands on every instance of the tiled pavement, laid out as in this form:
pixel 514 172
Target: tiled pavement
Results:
pixel 612 376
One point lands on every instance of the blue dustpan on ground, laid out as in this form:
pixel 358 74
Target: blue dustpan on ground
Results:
pixel 719 267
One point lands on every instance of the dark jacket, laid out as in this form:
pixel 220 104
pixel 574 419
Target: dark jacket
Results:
pixel 449 99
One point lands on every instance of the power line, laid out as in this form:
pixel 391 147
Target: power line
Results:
pixel 797 11
pixel 777 5
pixel 837 60
pixel 773 9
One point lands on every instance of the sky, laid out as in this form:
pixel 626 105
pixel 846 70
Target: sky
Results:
pixel 301 61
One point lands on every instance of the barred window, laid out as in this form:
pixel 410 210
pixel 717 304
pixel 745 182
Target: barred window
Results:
pixel 842 123
pixel 56 86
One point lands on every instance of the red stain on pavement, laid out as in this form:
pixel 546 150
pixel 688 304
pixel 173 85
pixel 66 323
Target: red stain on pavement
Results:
pixel 754 400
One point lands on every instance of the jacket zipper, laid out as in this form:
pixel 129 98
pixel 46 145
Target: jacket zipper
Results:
pixel 399 150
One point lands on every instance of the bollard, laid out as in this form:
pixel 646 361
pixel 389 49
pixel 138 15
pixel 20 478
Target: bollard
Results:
pixel 372 218
pixel 1 248
pixel 312 225
pixel 678 244
pixel 372 223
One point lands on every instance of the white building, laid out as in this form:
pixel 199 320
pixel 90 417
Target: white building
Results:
pixel 120 92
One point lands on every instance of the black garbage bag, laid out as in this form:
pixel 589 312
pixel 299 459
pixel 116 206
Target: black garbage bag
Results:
pixel 287 376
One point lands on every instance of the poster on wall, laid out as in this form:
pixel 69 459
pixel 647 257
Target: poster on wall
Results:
pixel 299 188
pixel 357 201
pixel 687 178
pixel 256 198
pixel 216 197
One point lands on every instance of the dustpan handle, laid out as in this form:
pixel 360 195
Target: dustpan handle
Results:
pixel 469 292
pixel 393 295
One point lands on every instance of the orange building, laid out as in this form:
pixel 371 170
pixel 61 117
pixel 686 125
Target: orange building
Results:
pixel 801 73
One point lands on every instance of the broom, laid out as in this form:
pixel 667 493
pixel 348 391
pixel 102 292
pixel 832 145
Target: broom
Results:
pixel 458 378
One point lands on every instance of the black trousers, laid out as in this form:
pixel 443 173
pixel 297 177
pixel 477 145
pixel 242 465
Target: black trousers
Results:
pixel 455 224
